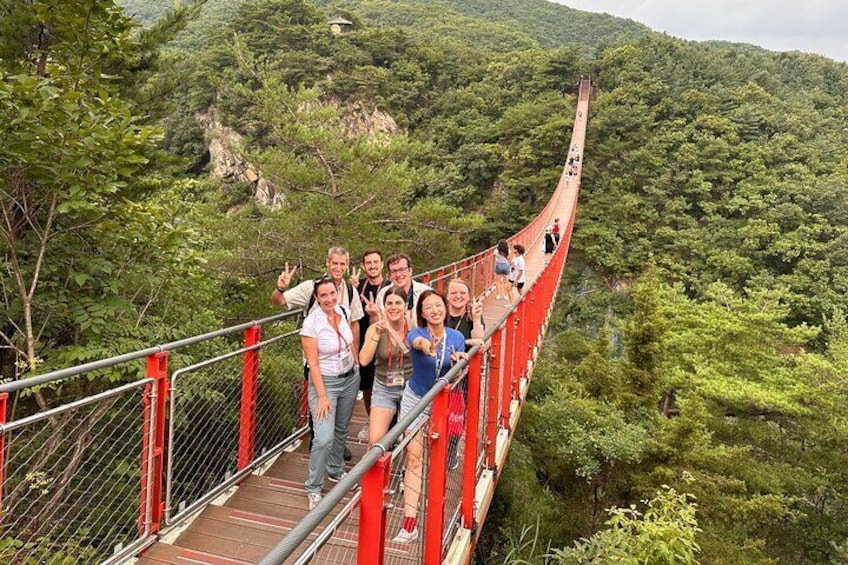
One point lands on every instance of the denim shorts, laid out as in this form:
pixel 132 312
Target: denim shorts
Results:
pixel 408 402
pixel 385 396
pixel 502 269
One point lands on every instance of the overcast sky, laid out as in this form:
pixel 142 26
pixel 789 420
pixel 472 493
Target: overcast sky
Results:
pixel 816 26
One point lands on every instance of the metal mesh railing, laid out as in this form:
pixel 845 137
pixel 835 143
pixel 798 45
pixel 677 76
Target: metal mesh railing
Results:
pixel 71 480
pixel 336 541
pixel 402 481
pixel 457 452
pixel 203 432
pixel 280 396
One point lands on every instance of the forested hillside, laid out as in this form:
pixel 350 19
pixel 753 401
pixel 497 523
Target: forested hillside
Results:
pixel 501 26
pixel 698 356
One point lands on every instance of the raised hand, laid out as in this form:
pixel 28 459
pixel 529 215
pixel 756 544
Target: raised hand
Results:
pixel 457 356
pixel 354 276
pixel 284 280
pixel 380 327
pixel 476 309
pixel 371 308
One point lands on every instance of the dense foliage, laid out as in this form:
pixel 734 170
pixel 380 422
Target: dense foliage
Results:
pixel 695 381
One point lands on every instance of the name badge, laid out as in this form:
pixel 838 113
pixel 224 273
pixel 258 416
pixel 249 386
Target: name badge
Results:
pixel 395 378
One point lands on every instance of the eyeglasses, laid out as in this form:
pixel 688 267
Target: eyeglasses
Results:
pixel 398 270
pixel 323 279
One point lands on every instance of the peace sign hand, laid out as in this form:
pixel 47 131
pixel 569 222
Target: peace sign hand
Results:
pixel 380 327
pixel 354 276
pixel 371 308
pixel 284 280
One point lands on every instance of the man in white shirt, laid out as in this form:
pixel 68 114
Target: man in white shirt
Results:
pixel 400 273
pixel 338 261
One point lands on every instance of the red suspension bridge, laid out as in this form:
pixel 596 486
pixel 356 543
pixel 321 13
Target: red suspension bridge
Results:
pixel 201 460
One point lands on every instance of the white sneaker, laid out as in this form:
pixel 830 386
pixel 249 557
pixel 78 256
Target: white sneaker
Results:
pixel 406 537
pixel 314 499
pixel 362 436
pixel 498 297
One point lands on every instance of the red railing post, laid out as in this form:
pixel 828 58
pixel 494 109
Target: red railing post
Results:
pixel 493 396
pixel 4 399
pixel 249 396
pixel 522 339
pixel 472 440
pixel 152 507
pixel 506 372
pixel 372 513
pixel 440 283
pixel 437 474
pixel 536 318
pixel 515 382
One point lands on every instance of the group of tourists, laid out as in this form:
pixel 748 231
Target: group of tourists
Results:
pixel 573 162
pixel 510 269
pixel 390 339
pixel 551 239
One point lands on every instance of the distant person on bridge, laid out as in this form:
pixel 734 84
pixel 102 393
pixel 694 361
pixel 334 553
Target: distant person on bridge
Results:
pixel 385 347
pixel 434 349
pixel 400 273
pixel 372 266
pixel 549 243
pixel 519 268
pixel 327 341
pixel 555 231
pixel 502 270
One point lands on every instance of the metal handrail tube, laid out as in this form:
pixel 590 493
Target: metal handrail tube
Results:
pixel 5 428
pixel 286 546
pixel 328 531
pixel 135 355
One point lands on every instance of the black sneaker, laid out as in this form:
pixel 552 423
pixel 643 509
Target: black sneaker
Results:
pixel 336 479
pixel 347 454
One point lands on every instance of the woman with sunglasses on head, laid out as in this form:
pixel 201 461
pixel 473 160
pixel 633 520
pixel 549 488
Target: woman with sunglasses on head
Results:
pixel 385 344
pixel 328 347
pixel 434 348
pixel 465 316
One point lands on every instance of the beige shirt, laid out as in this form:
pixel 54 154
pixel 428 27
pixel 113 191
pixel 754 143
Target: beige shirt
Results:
pixel 298 297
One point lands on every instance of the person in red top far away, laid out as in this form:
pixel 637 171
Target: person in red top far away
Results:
pixel 555 231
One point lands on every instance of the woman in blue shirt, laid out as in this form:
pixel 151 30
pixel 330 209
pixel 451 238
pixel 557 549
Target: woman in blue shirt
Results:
pixel 433 348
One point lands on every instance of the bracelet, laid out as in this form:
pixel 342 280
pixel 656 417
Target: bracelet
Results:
pixel 281 289
pixel 376 340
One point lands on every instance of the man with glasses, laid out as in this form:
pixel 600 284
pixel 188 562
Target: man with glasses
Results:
pixel 301 296
pixel 400 273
